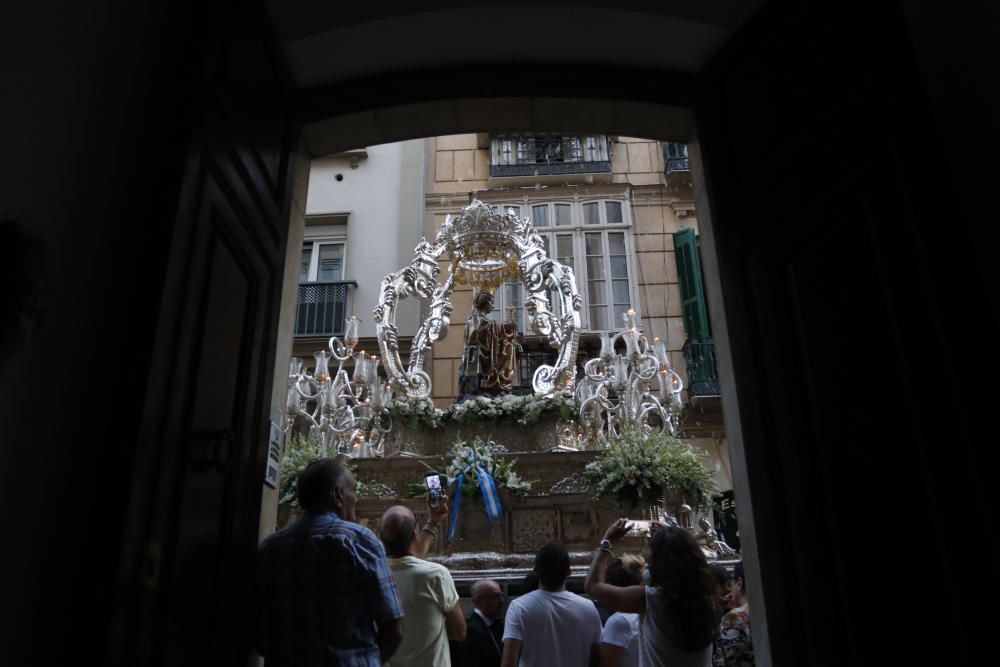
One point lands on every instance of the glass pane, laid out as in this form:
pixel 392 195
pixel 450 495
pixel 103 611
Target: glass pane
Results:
pixel 563 215
pixel 618 268
pixel 591 214
pixel 540 216
pixel 595 268
pixel 514 294
pixel 507 209
pixel 598 317
pixel 555 303
pixel 545 245
pixel 595 245
pixel 619 310
pixel 616 243
pixel 613 209
pixel 619 292
pixel 494 315
pixel 331 260
pixel 304 263
pixel 564 249
pixel 595 292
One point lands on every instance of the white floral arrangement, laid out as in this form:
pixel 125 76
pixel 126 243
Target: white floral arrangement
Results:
pixel 466 456
pixel 523 410
pixel 415 411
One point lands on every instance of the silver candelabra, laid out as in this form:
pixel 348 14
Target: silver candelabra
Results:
pixel 348 414
pixel 615 392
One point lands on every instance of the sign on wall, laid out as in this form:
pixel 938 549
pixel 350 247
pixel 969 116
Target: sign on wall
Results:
pixel 276 441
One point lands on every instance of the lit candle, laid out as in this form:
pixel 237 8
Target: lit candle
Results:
pixel 322 372
pixel 351 333
pixel 660 349
pixel 360 364
pixel 630 319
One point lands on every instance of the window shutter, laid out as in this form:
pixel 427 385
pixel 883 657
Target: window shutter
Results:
pixel 692 288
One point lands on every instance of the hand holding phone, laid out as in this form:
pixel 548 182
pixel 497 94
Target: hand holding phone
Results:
pixel 433 483
pixel 640 529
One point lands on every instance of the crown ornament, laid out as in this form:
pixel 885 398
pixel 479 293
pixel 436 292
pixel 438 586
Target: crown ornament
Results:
pixel 486 244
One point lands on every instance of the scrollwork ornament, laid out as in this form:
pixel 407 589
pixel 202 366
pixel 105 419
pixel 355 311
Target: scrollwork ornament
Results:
pixel 488 247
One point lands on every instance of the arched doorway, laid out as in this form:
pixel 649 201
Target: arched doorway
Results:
pixel 768 268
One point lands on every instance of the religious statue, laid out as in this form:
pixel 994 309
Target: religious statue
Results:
pixel 489 363
pixel 709 541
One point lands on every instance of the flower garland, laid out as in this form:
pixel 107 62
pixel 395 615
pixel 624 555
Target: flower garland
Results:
pixel 415 412
pixel 523 410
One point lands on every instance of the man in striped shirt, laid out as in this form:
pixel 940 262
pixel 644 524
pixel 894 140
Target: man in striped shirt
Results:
pixel 325 595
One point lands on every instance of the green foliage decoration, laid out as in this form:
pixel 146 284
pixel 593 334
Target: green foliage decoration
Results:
pixel 299 452
pixel 642 467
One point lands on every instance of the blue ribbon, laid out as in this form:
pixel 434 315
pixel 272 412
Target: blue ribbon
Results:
pixel 491 497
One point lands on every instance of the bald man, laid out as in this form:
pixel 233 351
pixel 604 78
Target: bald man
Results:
pixel 431 612
pixel 483 644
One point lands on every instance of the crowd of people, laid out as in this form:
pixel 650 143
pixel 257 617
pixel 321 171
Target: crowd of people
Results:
pixel 331 592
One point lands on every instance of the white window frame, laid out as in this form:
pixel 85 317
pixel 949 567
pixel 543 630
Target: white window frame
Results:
pixel 577 230
pixel 312 272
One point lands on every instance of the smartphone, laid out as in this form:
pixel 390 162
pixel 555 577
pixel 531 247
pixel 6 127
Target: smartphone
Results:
pixel 639 528
pixel 433 483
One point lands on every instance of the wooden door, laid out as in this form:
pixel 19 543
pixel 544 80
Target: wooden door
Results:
pixel 859 465
pixel 194 518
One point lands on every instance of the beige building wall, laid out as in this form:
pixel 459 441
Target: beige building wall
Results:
pixel 458 169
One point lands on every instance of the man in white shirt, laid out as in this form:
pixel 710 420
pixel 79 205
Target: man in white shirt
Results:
pixel 431 612
pixel 551 627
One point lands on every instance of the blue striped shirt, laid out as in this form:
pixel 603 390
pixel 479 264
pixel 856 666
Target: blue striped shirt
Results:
pixel 322 584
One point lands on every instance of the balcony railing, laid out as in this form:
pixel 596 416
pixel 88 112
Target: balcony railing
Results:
pixel 703 379
pixel 678 164
pixel 676 158
pixel 526 155
pixel 321 308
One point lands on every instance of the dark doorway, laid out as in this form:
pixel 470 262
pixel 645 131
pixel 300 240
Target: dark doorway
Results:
pixel 838 291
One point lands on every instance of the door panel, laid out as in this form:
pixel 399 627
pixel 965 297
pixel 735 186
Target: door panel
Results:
pixel 840 312
pixel 202 456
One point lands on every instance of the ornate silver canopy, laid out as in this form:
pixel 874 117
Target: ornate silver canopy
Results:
pixel 487 248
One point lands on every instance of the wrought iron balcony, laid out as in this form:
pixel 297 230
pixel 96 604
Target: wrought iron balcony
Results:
pixel 551 169
pixel 703 379
pixel 549 155
pixel 675 156
pixel 321 308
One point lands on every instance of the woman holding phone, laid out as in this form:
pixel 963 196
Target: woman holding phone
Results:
pixel 677 610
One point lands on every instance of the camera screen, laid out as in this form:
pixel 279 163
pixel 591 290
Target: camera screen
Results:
pixel 433 483
pixel 639 529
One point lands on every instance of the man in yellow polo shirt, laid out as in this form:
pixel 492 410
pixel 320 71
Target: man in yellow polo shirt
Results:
pixel 431 612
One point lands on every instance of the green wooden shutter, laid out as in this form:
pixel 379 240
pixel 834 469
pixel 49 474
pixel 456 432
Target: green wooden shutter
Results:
pixel 692 288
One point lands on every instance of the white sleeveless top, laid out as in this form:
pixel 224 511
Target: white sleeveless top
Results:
pixel 655 648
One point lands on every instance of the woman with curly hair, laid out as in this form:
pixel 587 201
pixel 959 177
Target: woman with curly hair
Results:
pixel 678 610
